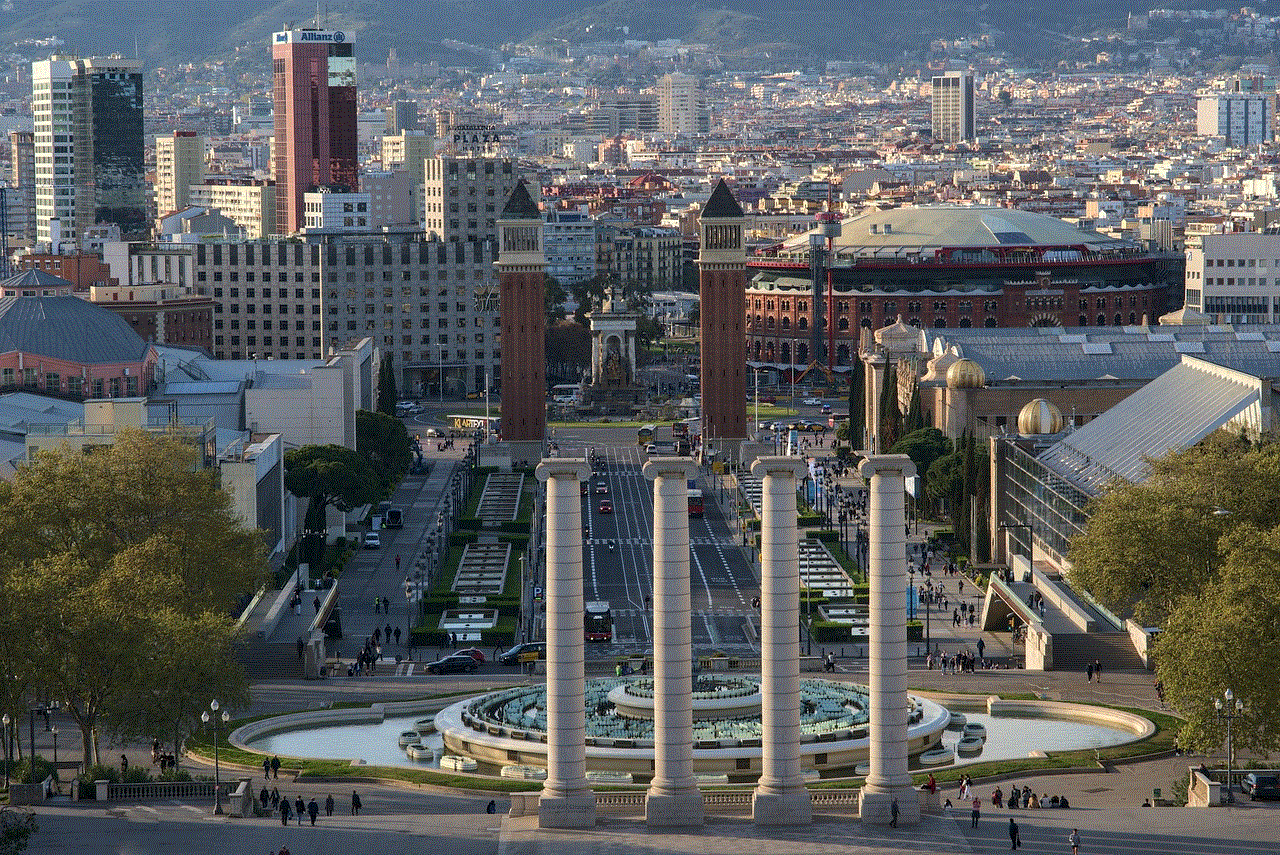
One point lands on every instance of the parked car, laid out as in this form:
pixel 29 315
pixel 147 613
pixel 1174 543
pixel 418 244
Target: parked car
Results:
pixel 512 656
pixel 372 540
pixel 458 662
pixel 1260 786
pixel 474 652
pixel 606 507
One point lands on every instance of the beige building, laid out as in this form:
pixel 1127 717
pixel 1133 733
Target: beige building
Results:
pixel 682 107
pixel 463 195
pixel 248 202
pixel 408 152
pixel 179 164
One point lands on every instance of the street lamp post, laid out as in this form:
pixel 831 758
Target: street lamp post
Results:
pixel 1227 712
pixel 218 719
pixel 8 748
pixel 54 731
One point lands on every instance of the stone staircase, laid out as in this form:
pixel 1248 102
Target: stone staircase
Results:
pixel 1114 650
pixel 265 660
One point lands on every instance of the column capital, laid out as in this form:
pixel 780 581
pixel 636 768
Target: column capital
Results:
pixel 672 467
pixel 874 464
pixel 779 465
pixel 563 467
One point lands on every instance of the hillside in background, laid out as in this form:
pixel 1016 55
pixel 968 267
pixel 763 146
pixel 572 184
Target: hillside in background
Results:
pixel 799 30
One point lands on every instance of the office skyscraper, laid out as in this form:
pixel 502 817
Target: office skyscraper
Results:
pixel 953 107
pixel 314 85
pixel 88 142
pixel 682 108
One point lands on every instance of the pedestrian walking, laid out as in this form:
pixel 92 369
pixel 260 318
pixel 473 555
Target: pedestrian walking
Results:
pixel 264 797
pixel 386 636
pixel 975 813
pixel 355 803
pixel 1097 670
pixel 299 808
pixel 313 810
pixel 397 562
pixel 1088 670
pixel 328 805
pixel 1074 839
pixel 398 638
pixel 275 798
pixel 315 603
pixel 275 766
pixel 492 807
pixel 284 811
pixel 1015 837
pixel 266 767
pixel 377 605
pixel 893 814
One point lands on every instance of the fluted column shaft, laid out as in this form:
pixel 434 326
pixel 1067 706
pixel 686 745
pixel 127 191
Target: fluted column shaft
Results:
pixel 673 797
pixel 567 800
pixel 780 797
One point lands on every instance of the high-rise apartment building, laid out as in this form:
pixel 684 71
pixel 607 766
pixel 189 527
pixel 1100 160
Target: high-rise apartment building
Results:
pixel 402 116
pixel 314 85
pixel 682 107
pixel 463 195
pixel 248 202
pixel 953 107
pixel 20 198
pixel 88 145
pixel 179 164
pixel 1238 118
pixel 409 152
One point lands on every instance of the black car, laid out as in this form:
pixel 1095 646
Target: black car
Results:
pixel 512 656
pixel 453 664
pixel 1260 786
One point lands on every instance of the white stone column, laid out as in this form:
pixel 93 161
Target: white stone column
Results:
pixel 567 801
pixel 673 798
pixel 780 796
pixel 887 653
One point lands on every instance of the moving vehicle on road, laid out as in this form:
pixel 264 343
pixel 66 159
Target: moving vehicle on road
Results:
pixel 1260 786
pixel 695 502
pixel 454 664
pixel 395 518
pixel 812 402
pixel 516 655
pixel 598 622
pixel 602 488
pixel 606 507
pixel 646 435
pixel 474 652
pixel 372 540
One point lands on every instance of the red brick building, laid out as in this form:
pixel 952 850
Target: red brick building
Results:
pixel 161 313
pixel 83 270
pixel 722 282
pixel 521 271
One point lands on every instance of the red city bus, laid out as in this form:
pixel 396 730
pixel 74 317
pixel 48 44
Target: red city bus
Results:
pixel 695 503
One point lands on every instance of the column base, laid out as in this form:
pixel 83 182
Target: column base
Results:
pixel 526 452
pixel 790 806
pixel 875 807
pixel 673 810
pixel 572 811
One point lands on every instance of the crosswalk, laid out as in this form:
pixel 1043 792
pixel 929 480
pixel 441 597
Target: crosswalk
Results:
pixel 646 541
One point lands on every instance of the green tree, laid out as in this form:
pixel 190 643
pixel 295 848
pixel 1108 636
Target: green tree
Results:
pixel 944 482
pixel 16 830
pixel 915 413
pixel 386 386
pixel 384 442
pixel 857 404
pixel 890 414
pixel 553 299
pixel 188 660
pixel 568 349
pixel 588 295
pixel 328 475
pixel 1147 544
pixel 695 314
pixel 1199 655
pixel 923 446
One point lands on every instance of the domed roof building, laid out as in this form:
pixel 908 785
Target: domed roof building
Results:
pixel 965 374
pixel 53 342
pixel 946 266
pixel 1039 418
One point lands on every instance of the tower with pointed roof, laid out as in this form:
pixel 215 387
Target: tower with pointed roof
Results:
pixel 521 265
pixel 722 280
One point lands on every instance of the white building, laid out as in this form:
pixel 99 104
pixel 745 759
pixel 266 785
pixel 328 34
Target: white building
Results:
pixel 463 195
pixel 324 211
pixel 682 107
pixel 569 243
pixel 179 164
pixel 249 202
pixel 1238 118
pixel 1235 278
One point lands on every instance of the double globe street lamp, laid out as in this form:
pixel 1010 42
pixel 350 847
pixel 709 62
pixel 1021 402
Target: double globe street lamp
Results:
pixel 218 720
pixel 1228 712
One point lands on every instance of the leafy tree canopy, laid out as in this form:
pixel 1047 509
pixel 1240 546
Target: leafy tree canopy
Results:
pixel 383 442
pixel 387 394
pixel 331 475
pixel 923 446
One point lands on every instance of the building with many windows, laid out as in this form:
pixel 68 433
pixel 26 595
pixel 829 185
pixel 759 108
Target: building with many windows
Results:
pixel 248 202
pixel 682 106
pixel 462 196
pixel 569 244
pixel 1235 278
pixel 1237 118
pixel 164 314
pixel 88 145
pixel 179 164
pixel 315 141
pixel 952 117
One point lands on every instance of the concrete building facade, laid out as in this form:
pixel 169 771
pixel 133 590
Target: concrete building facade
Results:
pixel 249 202
pixel 179 164
pixel 953 111
pixel 1237 118
pixel 682 106
pixel 1235 278
pixel 463 195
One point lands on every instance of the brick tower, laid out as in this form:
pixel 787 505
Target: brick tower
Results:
pixel 524 370
pixel 722 280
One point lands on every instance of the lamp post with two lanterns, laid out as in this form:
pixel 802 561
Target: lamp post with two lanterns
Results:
pixel 8 747
pixel 1228 712
pixel 218 720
